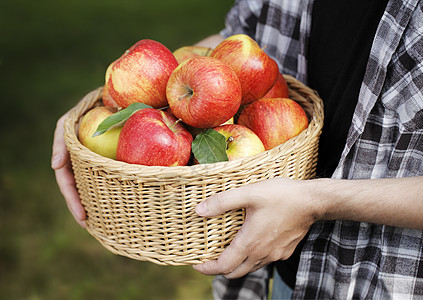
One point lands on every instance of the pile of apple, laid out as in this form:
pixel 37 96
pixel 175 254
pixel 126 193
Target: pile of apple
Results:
pixel 234 93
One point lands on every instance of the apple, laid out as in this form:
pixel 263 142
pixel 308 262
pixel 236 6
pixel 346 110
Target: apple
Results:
pixel 204 92
pixel 274 120
pixel 104 144
pixel 279 90
pixel 256 71
pixel 154 138
pixel 183 53
pixel 107 99
pixel 240 141
pixel 141 74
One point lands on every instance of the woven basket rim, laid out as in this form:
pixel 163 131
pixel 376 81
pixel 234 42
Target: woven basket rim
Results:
pixel 301 140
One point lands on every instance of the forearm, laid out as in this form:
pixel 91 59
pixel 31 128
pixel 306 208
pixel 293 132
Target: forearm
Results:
pixel 396 202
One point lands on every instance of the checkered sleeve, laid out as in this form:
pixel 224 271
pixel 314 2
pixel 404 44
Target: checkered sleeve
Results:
pixel 242 18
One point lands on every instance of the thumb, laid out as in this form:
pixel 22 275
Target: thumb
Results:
pixel 222 202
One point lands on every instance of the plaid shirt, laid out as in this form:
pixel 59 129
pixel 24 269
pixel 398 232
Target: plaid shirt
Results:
pixel 346 259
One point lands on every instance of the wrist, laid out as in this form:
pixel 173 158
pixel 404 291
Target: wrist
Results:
pixel 346 199
pixel 323 198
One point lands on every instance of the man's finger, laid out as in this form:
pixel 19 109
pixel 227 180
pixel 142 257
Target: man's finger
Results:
pixel 249 265
pixel 222 202
pixel 66 183
pixel 228 261
pixel 60 153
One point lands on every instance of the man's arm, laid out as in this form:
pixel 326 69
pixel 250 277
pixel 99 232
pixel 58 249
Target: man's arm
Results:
pixel 280 211
pixel 391 201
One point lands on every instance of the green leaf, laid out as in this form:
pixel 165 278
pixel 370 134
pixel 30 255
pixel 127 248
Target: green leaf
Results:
pixel 209 147
pixel 119 118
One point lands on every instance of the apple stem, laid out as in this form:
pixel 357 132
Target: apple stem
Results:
pixel 188 94
pixel 228 141
pixel 174 124
pixel 163 108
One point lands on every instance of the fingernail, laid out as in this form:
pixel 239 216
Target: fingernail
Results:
pixel 201 208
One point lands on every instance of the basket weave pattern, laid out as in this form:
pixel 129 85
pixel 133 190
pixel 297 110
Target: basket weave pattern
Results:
pixel 147 213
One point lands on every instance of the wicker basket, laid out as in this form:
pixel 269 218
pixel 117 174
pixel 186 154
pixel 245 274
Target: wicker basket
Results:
pixel 147 213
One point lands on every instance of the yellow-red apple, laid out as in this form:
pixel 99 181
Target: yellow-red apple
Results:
pixel 256 70
pixel 183 53
pixel 107 99
pixel 204 92
pixel 141 74
pixel 274 120
pixel 104 144
pixel 240 141
pixel 279 90
pixel 154 138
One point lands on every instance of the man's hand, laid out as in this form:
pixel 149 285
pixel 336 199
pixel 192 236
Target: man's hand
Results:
pixel 61 164
pixel 279 212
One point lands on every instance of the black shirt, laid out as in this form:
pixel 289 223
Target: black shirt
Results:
pixel 339 49
pixel 342 33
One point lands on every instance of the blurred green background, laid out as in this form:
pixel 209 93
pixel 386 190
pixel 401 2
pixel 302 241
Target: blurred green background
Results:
pixel 51 54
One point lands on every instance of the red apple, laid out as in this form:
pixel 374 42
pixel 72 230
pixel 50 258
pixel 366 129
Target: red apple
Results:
pixel 104 144
pixel 183 53
pixel 256 70
pixel 240 141
pixel 204 92
pixel 279 90
pixel 274 120
pixel 154 138
pixel 141 74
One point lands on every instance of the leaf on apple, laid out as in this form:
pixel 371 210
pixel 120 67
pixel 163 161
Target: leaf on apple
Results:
pixel 119 118
pixel 209 147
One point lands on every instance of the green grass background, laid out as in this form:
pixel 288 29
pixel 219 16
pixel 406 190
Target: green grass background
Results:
pixel 51 54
